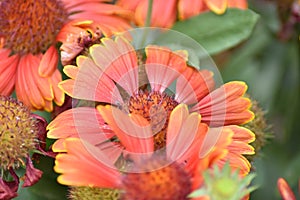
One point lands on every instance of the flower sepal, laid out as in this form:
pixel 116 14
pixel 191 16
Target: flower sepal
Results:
pixel 224 184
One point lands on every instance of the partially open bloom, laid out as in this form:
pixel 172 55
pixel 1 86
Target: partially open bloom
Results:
pixel 165 13
pixel 19 137
pixel 131 166
pixel 29 33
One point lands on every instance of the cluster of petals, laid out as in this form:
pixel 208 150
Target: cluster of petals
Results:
pixel 203 129
pixel 35 76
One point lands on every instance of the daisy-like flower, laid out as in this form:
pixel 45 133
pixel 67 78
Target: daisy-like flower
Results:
pixel 21 134
pixel 116 61
pixel 165 13
pixel 29 33
pixel 172 173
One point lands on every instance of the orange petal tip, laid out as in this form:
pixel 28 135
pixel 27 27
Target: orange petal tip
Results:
pixel 217 6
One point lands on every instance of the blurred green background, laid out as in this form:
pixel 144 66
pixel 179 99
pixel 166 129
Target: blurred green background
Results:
pixel 269 62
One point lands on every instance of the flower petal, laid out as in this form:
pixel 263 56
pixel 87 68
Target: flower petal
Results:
pixel 32 175
pixel 26 86
pixel 242 4
pixel 176 120
pixel 242 134
pixel 216 140
pixel 286 192
pixel 118 60
pixel 163 66
pixel 217 6
pixel 8 189
pixel 128 4
pixel 49 62
pixel 163 13
pixel 8 68
pixel 225 105
pixel 184 139
pixel 185 136
pixel 71 71
pixel 133 131
pixel 85 165
pixel 190 8
pixel 82 122
pixel 59 96
pixel 90 83
pixel 193 85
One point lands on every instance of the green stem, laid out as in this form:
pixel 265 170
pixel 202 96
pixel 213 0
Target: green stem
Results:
pixel 149 13
pixel 147 22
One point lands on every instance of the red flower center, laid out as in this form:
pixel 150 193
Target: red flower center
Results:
pixel 156 108
pixel 169 182
pixel 30 26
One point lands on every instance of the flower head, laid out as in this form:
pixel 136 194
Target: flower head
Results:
pixel 29 32
pixel 133 122
pixel 173 172
pixel 20 133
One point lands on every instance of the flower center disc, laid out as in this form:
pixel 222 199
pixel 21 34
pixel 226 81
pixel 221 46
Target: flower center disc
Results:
pixel 30 26
pixel 17 132
pixel 156 108
pixel 168 183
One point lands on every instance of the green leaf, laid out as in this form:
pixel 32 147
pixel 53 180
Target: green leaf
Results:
pixel 219 32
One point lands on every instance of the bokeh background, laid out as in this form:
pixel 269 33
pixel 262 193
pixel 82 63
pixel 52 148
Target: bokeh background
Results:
pixel 269 62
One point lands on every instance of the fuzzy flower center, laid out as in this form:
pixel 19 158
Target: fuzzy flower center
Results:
pixel 18 131
pixel 156 108
pixel 30 26
pixel 79 193
pixel 169 182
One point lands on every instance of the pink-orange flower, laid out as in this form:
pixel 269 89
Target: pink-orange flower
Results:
pixel 29 32
pixel 165 13
pixel 115 61
pixel 134 118
pixel 176 170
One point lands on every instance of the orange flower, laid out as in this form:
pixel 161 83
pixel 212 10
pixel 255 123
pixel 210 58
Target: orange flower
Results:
pixel 176 170
pixel 29 31
pixel 164 13
pixel 115 61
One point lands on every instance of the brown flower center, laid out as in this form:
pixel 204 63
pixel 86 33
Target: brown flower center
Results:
pixel 30 26
pixel 18 131
pixel 170 182
pixel 156 108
